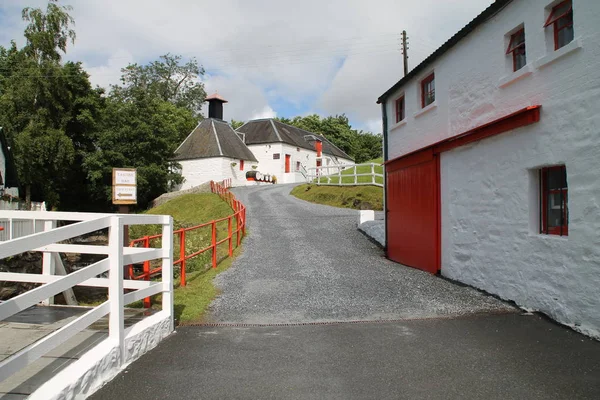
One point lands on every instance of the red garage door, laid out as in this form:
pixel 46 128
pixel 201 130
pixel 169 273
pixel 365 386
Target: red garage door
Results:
pixel 413 211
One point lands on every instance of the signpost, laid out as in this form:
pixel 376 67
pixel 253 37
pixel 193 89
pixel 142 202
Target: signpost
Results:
pixel 124 193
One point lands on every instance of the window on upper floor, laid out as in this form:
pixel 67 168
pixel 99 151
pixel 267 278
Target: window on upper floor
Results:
pixel 554 201
pixel 276 156
pixel 400 109
pixel 516 48
pixel 561 21
pixel 428 90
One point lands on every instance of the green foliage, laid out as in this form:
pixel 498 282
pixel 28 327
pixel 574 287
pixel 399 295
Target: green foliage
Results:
pixel 166 79
pixel 356 197
pixel 140 133
pixel 236 124
pixel 360 145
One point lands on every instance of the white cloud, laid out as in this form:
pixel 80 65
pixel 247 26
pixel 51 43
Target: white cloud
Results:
pixel 338 56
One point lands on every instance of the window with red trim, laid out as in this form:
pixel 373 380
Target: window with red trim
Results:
pixel 554 196
pixel 399 109
pixel 516 47
pixel 428 90
pixel 241 165
pixel 561 20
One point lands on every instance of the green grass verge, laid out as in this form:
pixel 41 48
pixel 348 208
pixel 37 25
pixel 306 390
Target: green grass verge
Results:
pixel 189 210
pixel 356 197
pixel 363 169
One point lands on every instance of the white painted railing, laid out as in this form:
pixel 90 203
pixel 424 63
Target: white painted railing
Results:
pixel 345 175
pixel 117 257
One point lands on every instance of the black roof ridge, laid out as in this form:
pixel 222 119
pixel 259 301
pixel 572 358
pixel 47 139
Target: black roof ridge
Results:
pixel 484 16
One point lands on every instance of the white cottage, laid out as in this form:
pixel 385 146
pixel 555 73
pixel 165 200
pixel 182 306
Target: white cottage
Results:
pixel 213 151
pixel 9 184
pixel 287 152
pixel 491 147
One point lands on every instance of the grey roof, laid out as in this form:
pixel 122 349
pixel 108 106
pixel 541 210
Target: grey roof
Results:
pixel 213 138
pixel 262 131
pixel 488 13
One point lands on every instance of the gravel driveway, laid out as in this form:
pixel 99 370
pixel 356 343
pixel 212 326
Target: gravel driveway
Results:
pixel 304 263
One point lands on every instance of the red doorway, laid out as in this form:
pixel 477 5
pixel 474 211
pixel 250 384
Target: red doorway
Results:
pixel 287 163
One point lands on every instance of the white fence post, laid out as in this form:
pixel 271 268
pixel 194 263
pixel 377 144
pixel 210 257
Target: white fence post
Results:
pixel 355 177
pixel 167 268
pixel 116 326
pixel 372 173
pixel 48 265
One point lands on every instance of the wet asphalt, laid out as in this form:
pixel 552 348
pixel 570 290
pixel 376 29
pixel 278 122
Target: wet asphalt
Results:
pixel 312 310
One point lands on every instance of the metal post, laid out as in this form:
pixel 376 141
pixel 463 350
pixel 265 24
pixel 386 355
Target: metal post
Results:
pixel 147 300
pixel 230 236
pixel 182 256
pixel 214 244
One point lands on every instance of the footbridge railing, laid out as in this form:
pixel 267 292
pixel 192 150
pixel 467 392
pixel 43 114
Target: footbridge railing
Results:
pixel 107 273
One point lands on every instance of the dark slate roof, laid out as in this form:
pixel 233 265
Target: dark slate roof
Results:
pixel 213 138
pixel 489 12
pixel 272 131
pixel 11 179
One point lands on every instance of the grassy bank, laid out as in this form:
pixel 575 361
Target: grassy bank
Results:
pixel 363 169
pixel 356 197
pixel 192 300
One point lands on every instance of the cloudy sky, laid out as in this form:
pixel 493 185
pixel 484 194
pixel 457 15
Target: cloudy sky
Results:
pixel 267 57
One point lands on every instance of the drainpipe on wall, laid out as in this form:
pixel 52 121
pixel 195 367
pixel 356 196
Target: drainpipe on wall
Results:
pixel 385 158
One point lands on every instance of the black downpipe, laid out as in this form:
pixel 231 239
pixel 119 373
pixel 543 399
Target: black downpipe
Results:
pixel 541 185
pixel 385 158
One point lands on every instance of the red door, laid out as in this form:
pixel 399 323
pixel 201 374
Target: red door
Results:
pixel 287 163
pixel 412 202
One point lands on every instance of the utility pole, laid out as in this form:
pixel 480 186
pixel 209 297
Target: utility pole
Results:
pixel 404 52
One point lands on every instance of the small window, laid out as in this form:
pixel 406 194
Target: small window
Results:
pixel 428 90
pixel 561 20
pixel 297 165
pixel 276 156
pixel 400 109
pixel 241 165
pixel 516 47
pixel 297 148
pixel 554 201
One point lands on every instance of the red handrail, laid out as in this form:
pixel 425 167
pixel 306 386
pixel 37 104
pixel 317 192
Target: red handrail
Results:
pixel 240 216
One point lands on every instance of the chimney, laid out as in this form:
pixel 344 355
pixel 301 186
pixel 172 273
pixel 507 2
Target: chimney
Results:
pixel 215 106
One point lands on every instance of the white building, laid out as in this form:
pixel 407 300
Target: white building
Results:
pixel 492 166
pixel 213 151
pixel 287 152
pixel 9 184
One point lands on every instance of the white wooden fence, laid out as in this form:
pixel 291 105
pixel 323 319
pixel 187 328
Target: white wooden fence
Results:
pixel 48 242
pixel 345 175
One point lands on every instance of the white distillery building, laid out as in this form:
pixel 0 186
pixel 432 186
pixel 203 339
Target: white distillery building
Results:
pixel 492 169
pixel 213 151
pixel 289 152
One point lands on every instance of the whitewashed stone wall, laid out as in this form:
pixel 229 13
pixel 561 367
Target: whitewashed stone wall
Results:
pixel 197 172
pixel 490 208
pixel 10 191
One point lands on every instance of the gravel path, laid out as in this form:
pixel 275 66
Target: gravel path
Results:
pixel 304 262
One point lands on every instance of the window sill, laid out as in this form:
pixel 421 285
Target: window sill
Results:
pixel 426 109
pixel 515 76
pixel 544 236
pixel 398 125
pixel 563 51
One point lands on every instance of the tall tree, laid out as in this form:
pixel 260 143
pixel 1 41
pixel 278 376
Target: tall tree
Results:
pixel 168 79
pixel 35 93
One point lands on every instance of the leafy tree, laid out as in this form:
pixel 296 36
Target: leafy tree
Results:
pixel 167 79
pixel 140 132
pixel 35 100
pixel 236 124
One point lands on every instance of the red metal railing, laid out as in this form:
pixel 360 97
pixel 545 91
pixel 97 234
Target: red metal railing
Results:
pixel 220 188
